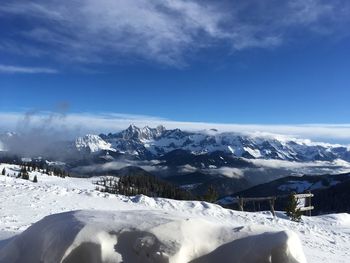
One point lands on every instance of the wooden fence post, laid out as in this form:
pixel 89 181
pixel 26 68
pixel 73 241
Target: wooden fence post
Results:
pixel 272 206
pixel 308 203
pixel 241 203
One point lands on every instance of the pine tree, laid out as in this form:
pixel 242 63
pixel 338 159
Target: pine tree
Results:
pixel 35 180
pixel 292 209
pixel 3 171
pixel 211 195
pixel 25 176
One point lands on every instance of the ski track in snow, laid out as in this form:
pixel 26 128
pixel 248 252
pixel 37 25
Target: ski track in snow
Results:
pixel 22 203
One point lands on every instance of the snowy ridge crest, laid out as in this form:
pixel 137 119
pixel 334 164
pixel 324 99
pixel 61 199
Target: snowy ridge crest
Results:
pixel 158 141
pixel 93 143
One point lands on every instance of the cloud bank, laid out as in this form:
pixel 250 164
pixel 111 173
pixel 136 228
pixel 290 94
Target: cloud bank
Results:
pixel 26 70
pixel 168 32
pixel 63 125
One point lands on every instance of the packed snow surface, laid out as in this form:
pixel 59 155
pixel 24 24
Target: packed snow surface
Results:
pixel 111 228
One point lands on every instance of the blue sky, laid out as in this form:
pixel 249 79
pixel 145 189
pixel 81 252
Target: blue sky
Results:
pixel 240 62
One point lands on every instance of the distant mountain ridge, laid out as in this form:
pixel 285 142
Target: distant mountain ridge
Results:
pixel 155 142
pixel 194 160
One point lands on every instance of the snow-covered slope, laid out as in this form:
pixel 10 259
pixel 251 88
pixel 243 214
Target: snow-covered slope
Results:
pixel 324 238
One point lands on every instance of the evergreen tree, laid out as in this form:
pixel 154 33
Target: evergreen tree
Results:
pixel 3 171
pixel 25 176
pixel 292 209
pixel 35 180
pixel 141 184
pixel 24 173
pixel 211 195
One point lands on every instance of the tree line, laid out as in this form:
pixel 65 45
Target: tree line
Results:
pixel 151 186
pixel 27 167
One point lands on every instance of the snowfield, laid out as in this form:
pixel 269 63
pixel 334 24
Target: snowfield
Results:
pixel 90 226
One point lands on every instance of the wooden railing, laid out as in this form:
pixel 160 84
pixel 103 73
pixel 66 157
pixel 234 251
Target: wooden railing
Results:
pixel 270 200
pixel 307 207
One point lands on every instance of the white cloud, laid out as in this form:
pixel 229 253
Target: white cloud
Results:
pixel 85 31
pixel 187 169
pixel 165 31
pixel 81 123
pixel 26 70
pixel 148 166
pixel 228 172
pixel 316 167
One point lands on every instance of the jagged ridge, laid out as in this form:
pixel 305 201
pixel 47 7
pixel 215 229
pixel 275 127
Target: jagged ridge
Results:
pixel 155 142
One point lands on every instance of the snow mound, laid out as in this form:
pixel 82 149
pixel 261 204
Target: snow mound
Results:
pixel 147 236
pixel 342 219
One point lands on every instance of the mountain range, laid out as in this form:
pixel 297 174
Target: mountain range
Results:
pixel 231 161
pixel 148 143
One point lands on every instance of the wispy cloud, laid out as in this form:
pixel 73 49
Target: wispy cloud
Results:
pixel 26 70
pixel 165 31
pixel 73 124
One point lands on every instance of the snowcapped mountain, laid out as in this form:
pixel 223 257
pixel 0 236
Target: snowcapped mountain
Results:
pixel 230 161
pixel 154 142
pixel 92 143
pixel 146 133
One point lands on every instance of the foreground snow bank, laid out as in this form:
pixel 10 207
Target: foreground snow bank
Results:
pixel 147 236
pixel 325 239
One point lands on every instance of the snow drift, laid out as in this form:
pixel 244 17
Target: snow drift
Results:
pixel 147 236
